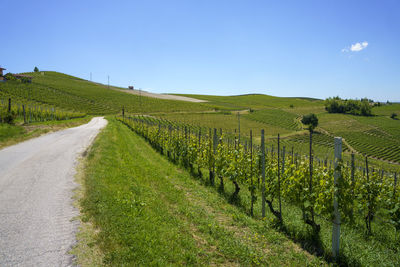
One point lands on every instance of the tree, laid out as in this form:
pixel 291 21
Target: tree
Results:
pixel 393 116
pixel 36 69
pixel 311 121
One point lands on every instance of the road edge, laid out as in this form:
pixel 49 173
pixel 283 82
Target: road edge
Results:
pixel 86 251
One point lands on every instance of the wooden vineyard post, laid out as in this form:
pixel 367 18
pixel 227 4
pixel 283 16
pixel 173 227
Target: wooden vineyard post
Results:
pixel 311 175
pixel 169 142
pixel 352 182
pixel 211 157
pixel 9 105
pixel 292 156
pixel 263 174
pixel 23 110
pixel 199 138
pixel 239 126
pixel 395 184
pixel 369 197
pixel 336 213
pixel 279 178
pixel 251 173
pixel 198 166
pixel 235 140
pixel 215 144
pixel 283 160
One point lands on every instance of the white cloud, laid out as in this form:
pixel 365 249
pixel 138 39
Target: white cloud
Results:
pixel 358 46
pixel 355 47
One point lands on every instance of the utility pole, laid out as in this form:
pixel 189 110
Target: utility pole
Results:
pixel 140 98
pixel 108 81
pixel 90 76
pixel 238 114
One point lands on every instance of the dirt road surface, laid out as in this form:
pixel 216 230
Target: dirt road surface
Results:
pixel 163 96
pixel 36 183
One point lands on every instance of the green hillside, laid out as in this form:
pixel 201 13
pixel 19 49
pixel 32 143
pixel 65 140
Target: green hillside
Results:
pixel 377 136
pixel 72 93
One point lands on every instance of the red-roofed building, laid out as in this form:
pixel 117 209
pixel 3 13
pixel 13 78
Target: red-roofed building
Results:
pixel 1 71
pixel 1 74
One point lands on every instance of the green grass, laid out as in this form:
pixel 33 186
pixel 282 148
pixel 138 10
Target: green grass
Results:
pixel 12 134
pixel 9 131
pixel 149 212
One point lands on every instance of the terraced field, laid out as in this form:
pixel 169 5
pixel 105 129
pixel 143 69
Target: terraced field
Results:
pixel 258 101
pixel 277 118
pixel 227 121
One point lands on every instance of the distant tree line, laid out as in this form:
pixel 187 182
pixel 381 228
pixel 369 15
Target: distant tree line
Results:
pixel 361 107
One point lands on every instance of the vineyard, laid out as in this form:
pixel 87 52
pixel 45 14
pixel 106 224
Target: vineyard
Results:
pixel 376 136
pixel 29 112
pixel 368 198
pixel 277 118
pixel 71 93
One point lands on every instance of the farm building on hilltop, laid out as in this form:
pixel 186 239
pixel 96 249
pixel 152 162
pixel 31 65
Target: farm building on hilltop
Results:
pixel 1 74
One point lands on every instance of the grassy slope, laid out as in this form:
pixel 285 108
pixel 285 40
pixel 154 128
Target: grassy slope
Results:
pixel 72 93
pixel 12 134
pixel 149 212
pixel 258 101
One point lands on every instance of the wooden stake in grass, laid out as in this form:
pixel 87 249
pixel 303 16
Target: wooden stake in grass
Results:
pixel 263 174
pixel 352 184
pixel 395 185
pixel 239 126
pixel 251 174
pixel 336 213
pixel 23 110
pixel 279 179
pixel 369 215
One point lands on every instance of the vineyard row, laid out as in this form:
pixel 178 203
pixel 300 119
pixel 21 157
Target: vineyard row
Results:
pixel 362 194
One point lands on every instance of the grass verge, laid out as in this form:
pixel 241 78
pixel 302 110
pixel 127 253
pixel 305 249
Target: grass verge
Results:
pixel 150 212
pixel 12 134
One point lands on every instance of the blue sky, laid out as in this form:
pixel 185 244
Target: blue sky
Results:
pixel 317 48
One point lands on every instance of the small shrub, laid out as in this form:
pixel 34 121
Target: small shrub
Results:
pixel 7 117
pixel 394 116
pixel 311 121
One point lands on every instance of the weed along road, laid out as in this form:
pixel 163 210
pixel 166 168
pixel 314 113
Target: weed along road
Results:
pixel 36 183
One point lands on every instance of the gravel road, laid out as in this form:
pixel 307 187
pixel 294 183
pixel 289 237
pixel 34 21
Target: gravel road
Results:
pixel 36 183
